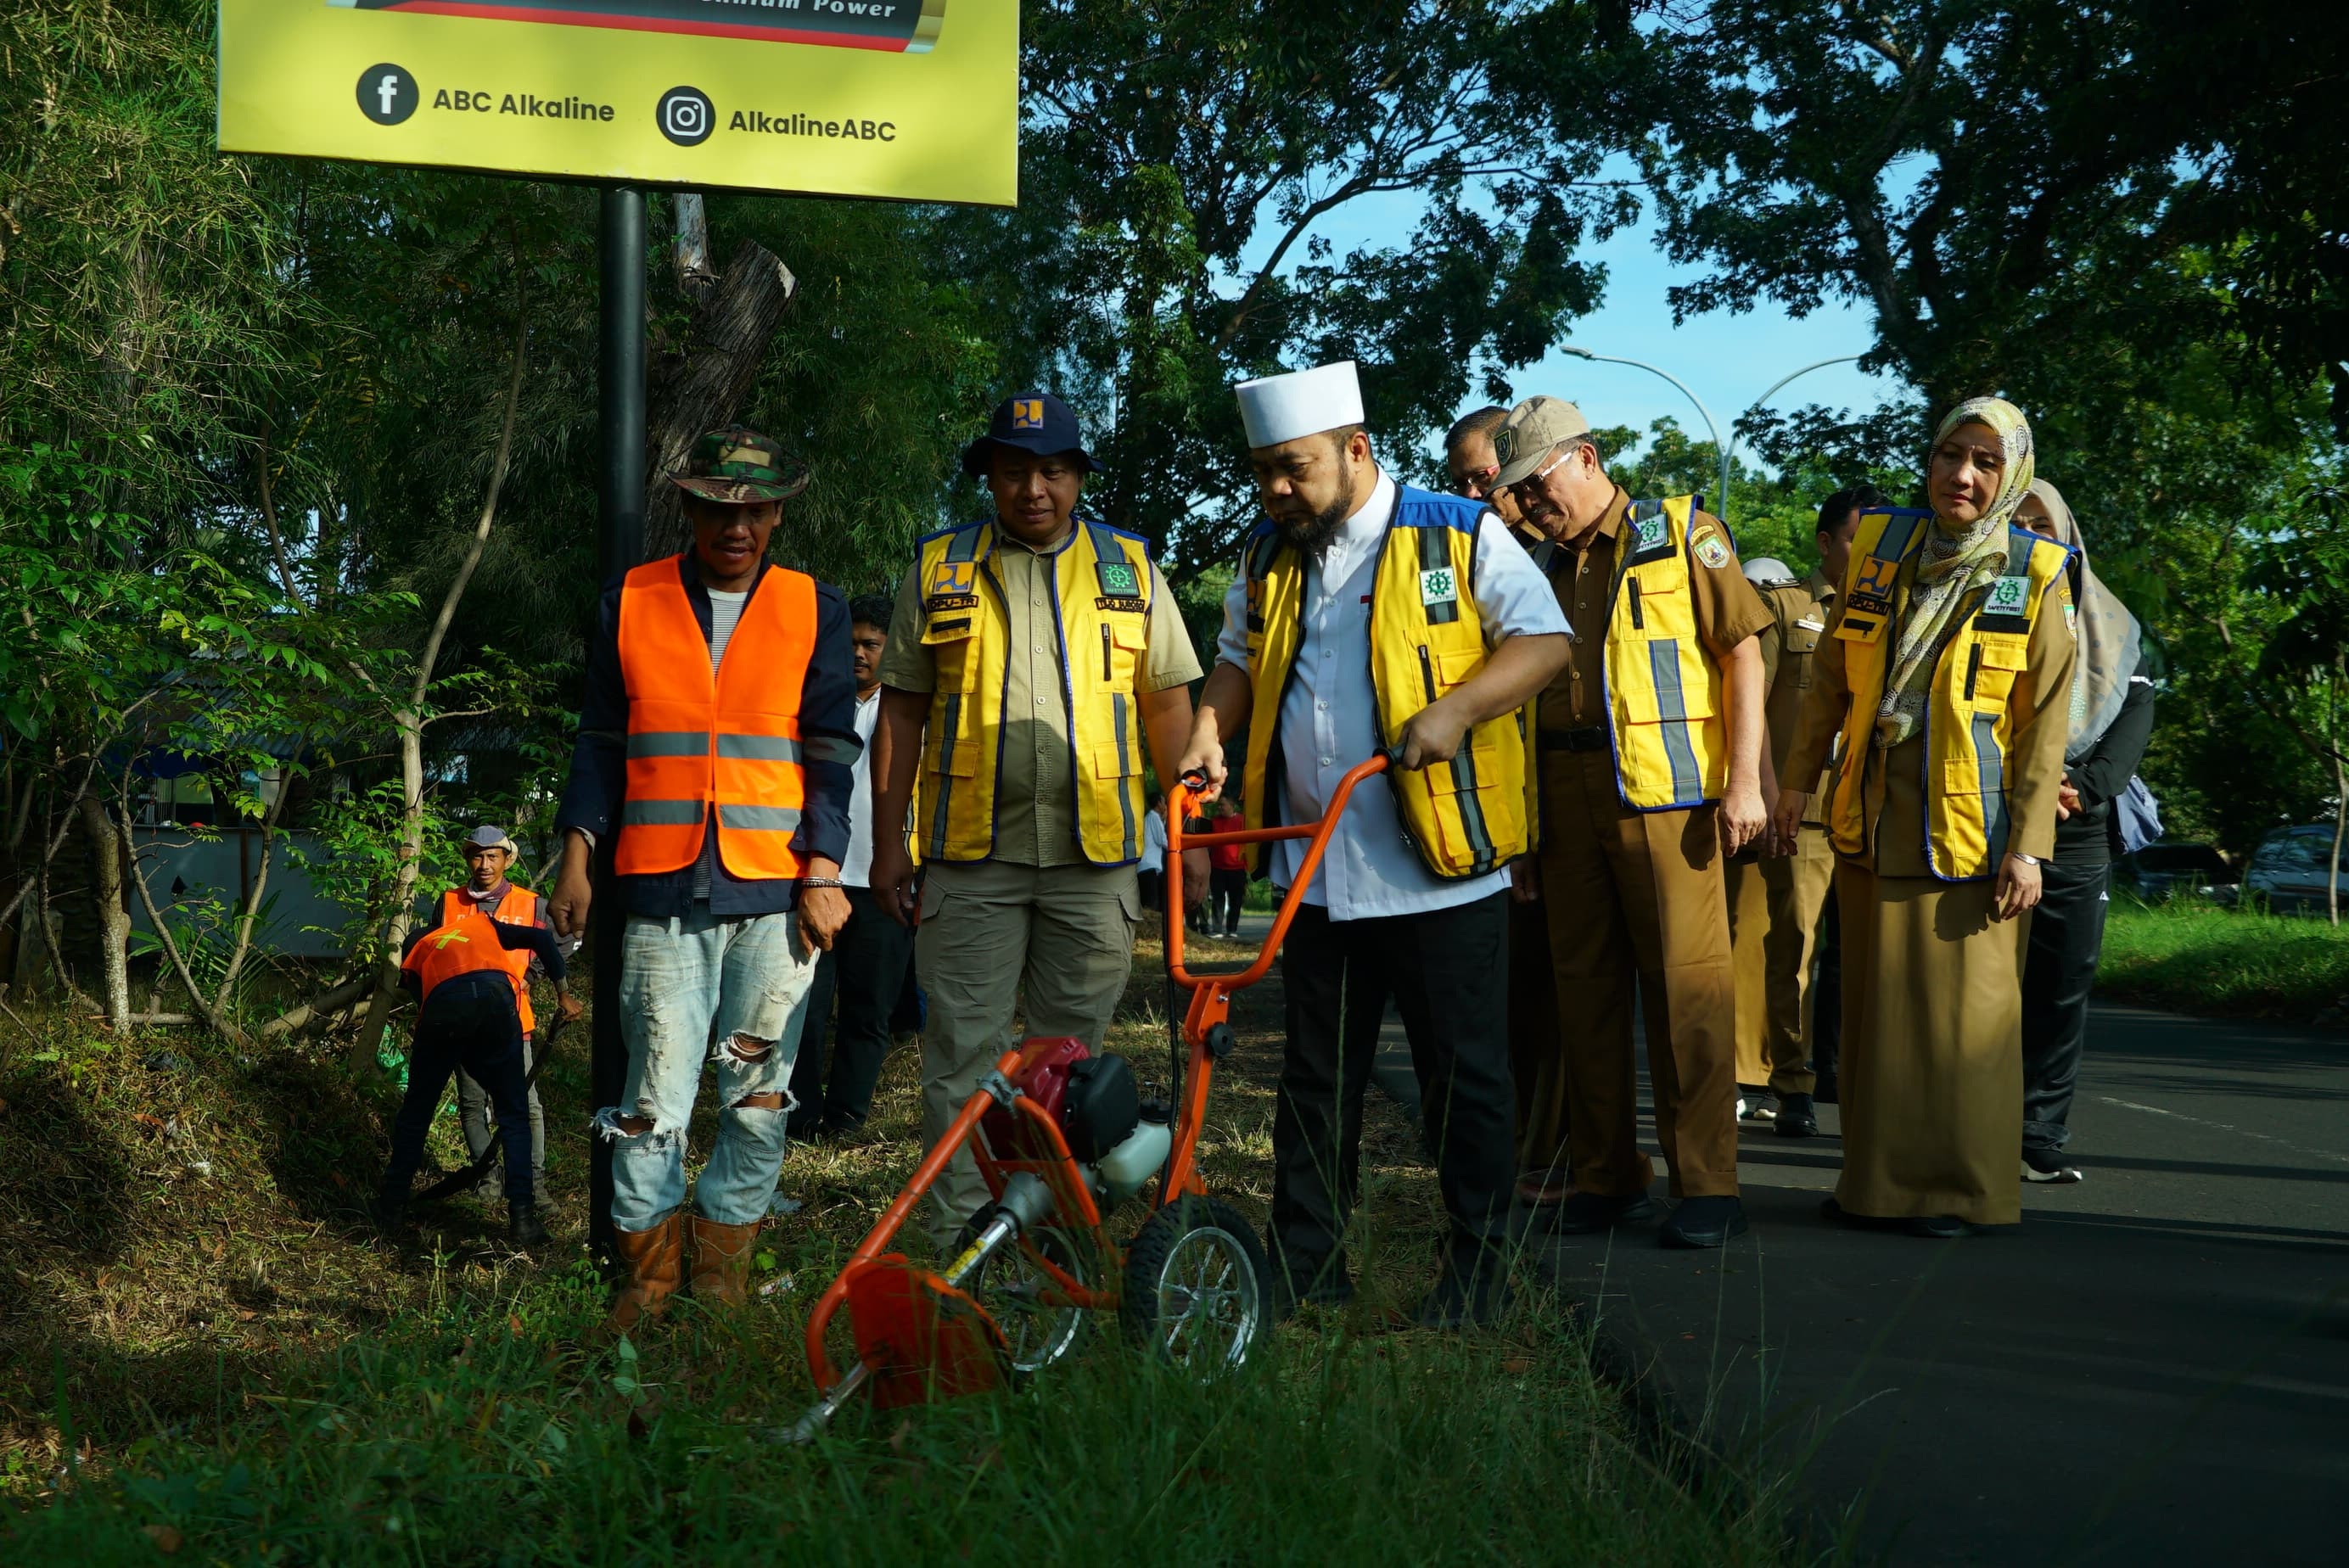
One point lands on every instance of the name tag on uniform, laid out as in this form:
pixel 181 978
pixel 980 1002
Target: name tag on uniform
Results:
pixel 1810 626
pixel 1438 585
pixel 2008 596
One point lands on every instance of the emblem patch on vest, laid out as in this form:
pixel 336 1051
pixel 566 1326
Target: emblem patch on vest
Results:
pixel 1438 585
pixel 954 578
pixel 1648 531
pixel 2008 596
pixel 1118 579
pixel 1873 591
pixel 1712 548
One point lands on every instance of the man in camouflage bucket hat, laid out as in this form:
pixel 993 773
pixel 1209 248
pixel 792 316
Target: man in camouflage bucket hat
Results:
pixel 728 784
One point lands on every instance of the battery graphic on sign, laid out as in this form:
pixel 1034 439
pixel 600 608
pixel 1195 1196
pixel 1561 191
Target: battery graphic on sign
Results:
pixel 899 27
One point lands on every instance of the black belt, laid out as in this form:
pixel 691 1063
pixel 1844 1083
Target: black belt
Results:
pixel 1589 737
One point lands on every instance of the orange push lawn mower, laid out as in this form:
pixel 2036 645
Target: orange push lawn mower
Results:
pixel 1062 1139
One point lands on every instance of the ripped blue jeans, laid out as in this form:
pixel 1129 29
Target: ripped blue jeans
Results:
pixel 695 990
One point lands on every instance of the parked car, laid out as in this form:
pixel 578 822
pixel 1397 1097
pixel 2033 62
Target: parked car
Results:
pixel 2288 870
pixel 2161 871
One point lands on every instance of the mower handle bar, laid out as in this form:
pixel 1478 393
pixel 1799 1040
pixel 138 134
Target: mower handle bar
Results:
pixel 1188 788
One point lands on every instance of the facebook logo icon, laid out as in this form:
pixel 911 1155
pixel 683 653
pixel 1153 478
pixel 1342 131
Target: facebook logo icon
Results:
pixel 388 94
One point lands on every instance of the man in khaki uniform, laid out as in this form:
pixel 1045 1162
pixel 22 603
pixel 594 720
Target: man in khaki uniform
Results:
pixel 1031 655
pixel 1651 755
pixel 1535 1060
pixel 1778 946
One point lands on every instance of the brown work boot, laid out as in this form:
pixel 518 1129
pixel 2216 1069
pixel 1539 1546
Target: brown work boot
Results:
pixel 721 1262
pixel 654 1263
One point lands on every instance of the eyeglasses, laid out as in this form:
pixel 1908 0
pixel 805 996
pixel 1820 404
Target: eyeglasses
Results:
pixel 1523 487
pixel 1477 483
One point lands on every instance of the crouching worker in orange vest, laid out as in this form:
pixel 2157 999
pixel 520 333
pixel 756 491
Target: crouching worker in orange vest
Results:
pixel 468 971
pixel 717 737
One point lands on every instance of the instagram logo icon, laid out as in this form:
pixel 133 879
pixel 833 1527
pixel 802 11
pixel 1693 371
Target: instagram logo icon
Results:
pixel 686 114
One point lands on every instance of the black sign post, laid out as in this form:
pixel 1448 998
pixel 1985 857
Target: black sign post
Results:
pixel 620 544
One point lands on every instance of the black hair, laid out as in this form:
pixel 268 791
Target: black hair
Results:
pixel 871 610
pixel 1481 422
pixel 1844 502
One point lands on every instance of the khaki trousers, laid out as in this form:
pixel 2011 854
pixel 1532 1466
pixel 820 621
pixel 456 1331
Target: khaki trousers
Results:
pixel 1640 893
pixel 997 940
pixel 1774 909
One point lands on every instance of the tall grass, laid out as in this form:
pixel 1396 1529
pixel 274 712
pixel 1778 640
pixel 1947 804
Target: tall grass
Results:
pixel 2196 957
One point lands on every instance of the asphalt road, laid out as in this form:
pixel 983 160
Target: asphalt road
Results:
pixel 2152 1369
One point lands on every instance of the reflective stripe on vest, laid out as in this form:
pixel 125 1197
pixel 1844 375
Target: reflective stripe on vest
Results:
pixel 730 740
pixel 1970 723
pixel 1466 817
pixel 519 906
pixel 1101 583
pixel 466 945
pixel 1663 687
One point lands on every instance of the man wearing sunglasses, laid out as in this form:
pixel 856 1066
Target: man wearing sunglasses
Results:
pixel 1650 756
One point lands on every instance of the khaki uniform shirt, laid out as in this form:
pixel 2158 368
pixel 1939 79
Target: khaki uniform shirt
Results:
pixel 1728 612
pixel 1035 805
pixel 1799 619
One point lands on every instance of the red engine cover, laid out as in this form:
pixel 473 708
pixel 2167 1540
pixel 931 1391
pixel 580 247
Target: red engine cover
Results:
pixel 1045 1082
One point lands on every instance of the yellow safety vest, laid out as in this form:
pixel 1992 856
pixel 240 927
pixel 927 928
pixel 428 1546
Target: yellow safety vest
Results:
pixel 1663 687
pixel 1969 726
pixel 1466 817
pixel 1102 579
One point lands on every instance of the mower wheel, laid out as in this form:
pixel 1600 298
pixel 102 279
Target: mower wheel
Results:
pixel 1198 1290
pixel 1012 1288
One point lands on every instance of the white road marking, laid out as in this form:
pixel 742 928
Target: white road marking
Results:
pixel 2223 1127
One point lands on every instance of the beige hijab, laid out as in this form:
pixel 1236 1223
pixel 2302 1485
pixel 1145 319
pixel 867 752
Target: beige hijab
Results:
pixel 1957 559
pixel 2111 644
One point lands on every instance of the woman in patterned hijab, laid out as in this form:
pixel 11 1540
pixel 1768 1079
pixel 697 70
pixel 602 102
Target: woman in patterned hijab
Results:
pixel 1967 549
pixel 2111 645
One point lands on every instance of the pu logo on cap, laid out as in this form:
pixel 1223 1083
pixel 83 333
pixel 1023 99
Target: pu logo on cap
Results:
pixel 1028 413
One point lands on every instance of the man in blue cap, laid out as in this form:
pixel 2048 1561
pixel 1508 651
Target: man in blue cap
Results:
pixel 1032 657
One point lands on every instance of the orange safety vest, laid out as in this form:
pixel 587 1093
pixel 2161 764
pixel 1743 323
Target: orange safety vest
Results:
pixel 519 907
pixel 461 947
pixel 731 740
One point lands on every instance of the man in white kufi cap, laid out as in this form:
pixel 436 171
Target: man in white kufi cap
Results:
pixel 1370 616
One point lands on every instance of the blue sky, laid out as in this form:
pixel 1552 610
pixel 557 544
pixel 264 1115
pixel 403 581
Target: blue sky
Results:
pixel 1728 360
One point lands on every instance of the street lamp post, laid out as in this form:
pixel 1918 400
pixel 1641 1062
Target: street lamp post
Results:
pixel 1805 370
pixel 1722 507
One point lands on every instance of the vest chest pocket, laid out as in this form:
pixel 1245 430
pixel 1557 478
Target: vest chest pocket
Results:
pixel 954 642
pixel 1658 605
pixel 1118 647
pixel 1996 659
pixel 1456 667
pixel 1484 762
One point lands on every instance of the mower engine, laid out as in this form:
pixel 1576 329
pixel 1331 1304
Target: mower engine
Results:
pixel 1101 1114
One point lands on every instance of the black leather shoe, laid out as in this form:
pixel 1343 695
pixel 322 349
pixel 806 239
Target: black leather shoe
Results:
pixel 1825 1090
pixel 523 1227
pixel 1939 1227
pixel 389 1212
pixel 1703 1222
pixel 1472 1292
pixel 1584 1213
pixel 1796 1118
pixel 1310 1282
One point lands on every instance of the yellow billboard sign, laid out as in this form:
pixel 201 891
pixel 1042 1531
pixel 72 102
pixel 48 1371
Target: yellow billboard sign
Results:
pixel 910 100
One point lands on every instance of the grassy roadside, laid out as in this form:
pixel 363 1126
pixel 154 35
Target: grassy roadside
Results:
pixel 2195 957
pixel 203 1350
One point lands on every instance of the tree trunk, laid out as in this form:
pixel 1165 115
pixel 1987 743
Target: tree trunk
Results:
pixel 113 918
pixel 411 718
pixel 251 913
pixel 221 1023
pixel 702 385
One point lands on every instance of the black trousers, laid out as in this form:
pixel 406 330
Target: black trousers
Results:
pixel 1226 891
pixel 468 1022
pixel 865 974
pixel 2067 937
pixel 1447 973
